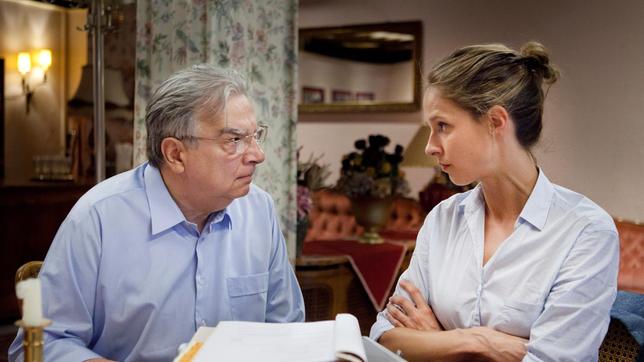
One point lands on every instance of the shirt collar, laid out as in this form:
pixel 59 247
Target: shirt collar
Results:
pixel 536 208
pixel 164 212
pixel 222 216
pixel 472 201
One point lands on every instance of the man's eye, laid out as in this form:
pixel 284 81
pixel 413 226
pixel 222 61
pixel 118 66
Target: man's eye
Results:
pixel 234 139
pixel 442 126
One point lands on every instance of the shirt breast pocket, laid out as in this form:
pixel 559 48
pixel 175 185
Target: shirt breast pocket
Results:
pixel 247 296
pixel 517 317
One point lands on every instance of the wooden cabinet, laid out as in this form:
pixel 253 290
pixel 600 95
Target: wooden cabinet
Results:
pixel 29 218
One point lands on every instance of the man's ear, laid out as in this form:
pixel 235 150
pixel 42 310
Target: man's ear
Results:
pixel 174 154
pixel 499 119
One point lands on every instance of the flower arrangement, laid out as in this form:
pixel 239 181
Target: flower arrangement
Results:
pixel 372 171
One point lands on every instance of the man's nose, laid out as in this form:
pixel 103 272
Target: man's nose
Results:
pixel 254 153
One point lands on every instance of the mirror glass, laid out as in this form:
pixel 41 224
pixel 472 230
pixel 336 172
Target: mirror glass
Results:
pixel 372 67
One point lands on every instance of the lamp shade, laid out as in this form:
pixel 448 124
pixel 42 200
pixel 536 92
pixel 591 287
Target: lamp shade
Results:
pixel 114 89
pixel 414 155
pixel 44 59
pixel 24 63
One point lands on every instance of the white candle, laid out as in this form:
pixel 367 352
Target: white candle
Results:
pixel 29 291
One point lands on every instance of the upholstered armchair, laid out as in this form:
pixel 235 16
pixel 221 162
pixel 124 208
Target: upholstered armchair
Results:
pixel 631 263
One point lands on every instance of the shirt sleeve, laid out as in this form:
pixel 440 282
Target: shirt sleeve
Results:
pixel 416 273
pixel 576 313
pixel 285 302
pixel 68 280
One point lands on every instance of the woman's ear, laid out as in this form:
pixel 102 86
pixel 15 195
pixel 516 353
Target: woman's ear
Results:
pixel 174 154
pixel 498 118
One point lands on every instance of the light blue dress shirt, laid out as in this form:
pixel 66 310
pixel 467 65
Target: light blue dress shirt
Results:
pixel 553 280
pixel 129 279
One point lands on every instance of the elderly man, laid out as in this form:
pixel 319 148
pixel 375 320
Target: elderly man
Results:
pixel 185 240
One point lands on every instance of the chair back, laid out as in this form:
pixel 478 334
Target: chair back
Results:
pixel 631 260
pixel 28 270
pixel 618 345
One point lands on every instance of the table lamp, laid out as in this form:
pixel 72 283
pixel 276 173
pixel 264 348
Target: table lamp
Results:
pixel 117 104
pixel 115 94
pixel 414 156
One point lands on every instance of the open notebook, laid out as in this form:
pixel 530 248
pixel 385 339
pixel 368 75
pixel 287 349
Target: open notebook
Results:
pixel 333 340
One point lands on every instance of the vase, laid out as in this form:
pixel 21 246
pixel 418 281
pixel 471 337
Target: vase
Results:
pixel 372 214
pixel 302 227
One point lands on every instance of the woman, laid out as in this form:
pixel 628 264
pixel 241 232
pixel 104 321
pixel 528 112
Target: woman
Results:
pixel 517 268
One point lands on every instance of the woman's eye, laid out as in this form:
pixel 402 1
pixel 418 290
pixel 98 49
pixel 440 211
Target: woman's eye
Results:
pixel 442 126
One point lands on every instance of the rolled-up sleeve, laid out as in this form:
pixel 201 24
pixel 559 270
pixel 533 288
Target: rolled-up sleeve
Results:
pixel 577 311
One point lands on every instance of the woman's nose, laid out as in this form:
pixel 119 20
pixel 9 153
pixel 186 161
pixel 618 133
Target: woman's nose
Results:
pixel 432 148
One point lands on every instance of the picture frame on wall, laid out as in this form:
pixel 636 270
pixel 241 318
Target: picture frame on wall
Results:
pixel 341 95
pixel 365 96
pixel 312 95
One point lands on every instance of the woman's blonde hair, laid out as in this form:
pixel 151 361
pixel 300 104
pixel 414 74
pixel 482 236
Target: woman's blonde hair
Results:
pixel 479 77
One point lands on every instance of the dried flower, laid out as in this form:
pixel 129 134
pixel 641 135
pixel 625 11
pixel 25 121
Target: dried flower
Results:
pixel 311 176
pixel 311 173
pixel 304 202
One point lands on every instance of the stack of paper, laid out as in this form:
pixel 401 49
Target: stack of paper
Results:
pixel 338 339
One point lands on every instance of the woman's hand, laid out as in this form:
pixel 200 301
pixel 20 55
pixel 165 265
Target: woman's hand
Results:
pixel 497 346
pixel 415 314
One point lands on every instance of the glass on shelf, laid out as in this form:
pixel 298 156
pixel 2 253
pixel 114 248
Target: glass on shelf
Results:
pixel 52 168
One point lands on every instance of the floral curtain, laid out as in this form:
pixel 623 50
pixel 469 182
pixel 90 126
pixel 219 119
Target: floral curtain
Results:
pixel 254 37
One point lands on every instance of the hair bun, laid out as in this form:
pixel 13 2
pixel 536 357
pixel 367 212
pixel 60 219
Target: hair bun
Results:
pixel 536 58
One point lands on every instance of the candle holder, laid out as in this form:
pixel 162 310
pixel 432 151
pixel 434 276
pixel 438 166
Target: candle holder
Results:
pixel 33 342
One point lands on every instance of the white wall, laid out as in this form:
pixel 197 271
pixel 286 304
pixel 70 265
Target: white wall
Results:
pixel 593 139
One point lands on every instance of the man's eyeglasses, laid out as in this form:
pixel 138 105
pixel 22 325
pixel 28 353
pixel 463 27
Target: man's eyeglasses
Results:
pixel 235 141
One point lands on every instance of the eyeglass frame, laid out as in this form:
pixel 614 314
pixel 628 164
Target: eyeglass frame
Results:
pixel 243 144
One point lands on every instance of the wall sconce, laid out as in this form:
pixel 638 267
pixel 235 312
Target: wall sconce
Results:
pixel 42 63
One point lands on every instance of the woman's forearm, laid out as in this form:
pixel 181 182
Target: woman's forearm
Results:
pixel 455 345
pixel 452 345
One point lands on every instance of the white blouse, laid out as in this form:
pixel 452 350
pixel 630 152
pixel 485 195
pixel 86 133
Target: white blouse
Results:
pixel 553 280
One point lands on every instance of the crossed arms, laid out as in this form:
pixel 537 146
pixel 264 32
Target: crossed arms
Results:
pixel 419 335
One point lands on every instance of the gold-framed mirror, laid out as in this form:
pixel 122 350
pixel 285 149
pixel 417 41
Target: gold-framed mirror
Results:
pixel 360 68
